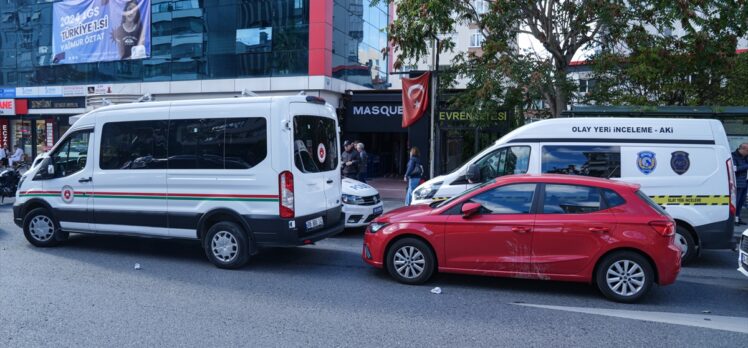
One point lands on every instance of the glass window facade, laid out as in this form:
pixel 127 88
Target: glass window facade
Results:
pixel 191 40
pixel 358 39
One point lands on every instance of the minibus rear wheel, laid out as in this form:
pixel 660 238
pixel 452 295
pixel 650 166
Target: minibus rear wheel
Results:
pixel 226 245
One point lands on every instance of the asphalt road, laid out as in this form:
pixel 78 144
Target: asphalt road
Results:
pixel 87 293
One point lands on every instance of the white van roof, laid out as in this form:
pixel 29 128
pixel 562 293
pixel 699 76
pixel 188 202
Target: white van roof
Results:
pixel 89 117
pixel 618 129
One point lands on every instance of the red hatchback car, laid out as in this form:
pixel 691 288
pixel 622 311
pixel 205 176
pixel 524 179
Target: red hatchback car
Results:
pixel 556 227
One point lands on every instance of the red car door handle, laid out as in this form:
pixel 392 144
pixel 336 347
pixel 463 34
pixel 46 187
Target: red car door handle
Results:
pixel 599 229
pixel 520 229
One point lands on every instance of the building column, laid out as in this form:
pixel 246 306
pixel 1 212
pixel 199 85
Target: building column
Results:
pixel 320 38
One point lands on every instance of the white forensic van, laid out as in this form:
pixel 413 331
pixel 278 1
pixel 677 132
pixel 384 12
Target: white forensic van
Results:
pixel 685 165
pixel 236 174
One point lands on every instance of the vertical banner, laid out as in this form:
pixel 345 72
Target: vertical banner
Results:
pixel 4 133
pixel 50 134
pixel 86 31
pixel 415 98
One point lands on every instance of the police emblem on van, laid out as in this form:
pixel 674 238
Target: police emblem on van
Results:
pixel 646 162
pixel 680 162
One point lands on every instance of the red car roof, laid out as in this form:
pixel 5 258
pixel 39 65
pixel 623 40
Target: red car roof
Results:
pixel 568 179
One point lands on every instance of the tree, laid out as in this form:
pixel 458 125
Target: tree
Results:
pixel 500 72
pixel 676 53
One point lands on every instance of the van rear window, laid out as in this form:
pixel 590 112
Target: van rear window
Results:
pixel 315 144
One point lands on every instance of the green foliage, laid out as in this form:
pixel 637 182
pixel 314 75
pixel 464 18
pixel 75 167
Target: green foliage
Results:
pixel 499 72
pixel 699 67
pixel 637 61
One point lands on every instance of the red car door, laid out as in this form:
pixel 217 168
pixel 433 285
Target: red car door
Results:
pixel 498 237
pixel 571 226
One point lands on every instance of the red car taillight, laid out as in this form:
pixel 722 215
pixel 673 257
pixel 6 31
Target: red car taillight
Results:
pixel 664 228
pixel 285 187
pixel 731 184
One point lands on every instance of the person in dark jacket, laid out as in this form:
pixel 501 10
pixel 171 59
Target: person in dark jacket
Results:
pixel 413 173
pixel 363 163
pixel 741 171
pixel 350 160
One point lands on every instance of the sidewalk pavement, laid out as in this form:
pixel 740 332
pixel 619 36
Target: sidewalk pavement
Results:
pixel 389 188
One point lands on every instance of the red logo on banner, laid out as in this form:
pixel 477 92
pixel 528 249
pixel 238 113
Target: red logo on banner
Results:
pixel 415 98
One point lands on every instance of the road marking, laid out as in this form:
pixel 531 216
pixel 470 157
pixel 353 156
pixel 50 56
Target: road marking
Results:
pixel 714 322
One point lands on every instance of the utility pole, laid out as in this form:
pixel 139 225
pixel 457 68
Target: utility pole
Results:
pixel 434 104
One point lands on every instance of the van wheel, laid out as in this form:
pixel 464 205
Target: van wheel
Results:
pixel 684 241
pixel 41 229
pixel 226 245
pixel 624 276
pixel 410 261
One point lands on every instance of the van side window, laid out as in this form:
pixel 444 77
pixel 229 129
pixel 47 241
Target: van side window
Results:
pixel 133 145
pixel 223 143
pixel 71 156
pixel 570 199
pixel 504 161
pixel 597 161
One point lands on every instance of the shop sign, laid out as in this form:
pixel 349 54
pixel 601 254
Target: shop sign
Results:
pixel 7 107
pixel 57 103
pixel 50 134
pixel 7 92
pixel 464 118
pixel 39 92
pixel 73 91
pixel 98 89
pixel 4 132
pixel 374 116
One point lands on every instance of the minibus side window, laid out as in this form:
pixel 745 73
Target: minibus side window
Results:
pixel 71 156
pixel 133 145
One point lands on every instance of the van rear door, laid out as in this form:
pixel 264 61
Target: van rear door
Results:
pixel 315 155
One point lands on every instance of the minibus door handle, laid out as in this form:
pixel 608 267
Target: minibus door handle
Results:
pixel 329 181
pixel 88 179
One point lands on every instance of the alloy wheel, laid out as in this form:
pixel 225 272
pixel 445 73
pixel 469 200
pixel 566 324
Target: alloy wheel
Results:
pixel 625 278
pixel 409 262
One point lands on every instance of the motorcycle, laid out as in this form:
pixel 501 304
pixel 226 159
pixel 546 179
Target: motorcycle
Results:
pixel 9 179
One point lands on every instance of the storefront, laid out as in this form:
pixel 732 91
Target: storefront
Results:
pixel 35 124
pixel 375 118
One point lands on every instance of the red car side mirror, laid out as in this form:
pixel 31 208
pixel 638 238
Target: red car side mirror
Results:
pixel 469 209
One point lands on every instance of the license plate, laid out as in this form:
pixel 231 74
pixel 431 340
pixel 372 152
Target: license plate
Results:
pixel 314 223
pixel 378 210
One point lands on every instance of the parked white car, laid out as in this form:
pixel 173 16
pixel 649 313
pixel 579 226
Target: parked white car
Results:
pixel 361 203
pixel 743 254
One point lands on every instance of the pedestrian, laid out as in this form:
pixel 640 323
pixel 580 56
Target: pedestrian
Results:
pixel 363 164
pixel 350 160
pixel 3 156
pixel 414 173
pixel 17 156
pixel 741 176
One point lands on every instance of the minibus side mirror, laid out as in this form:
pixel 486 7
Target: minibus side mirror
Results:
pixel 473 174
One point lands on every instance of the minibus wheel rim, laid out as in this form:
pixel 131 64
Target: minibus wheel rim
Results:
pixel 41 228
pixel 225 247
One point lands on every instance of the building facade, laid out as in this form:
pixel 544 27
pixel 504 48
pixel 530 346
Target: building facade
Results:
pixel 195 49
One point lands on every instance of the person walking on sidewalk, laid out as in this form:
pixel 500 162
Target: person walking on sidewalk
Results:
pixel 350 161
pixel 741 173
pixel 3 157
pixel 414 173
pixel 364 161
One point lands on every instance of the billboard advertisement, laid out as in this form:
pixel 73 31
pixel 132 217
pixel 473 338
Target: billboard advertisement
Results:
pixel 86 31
